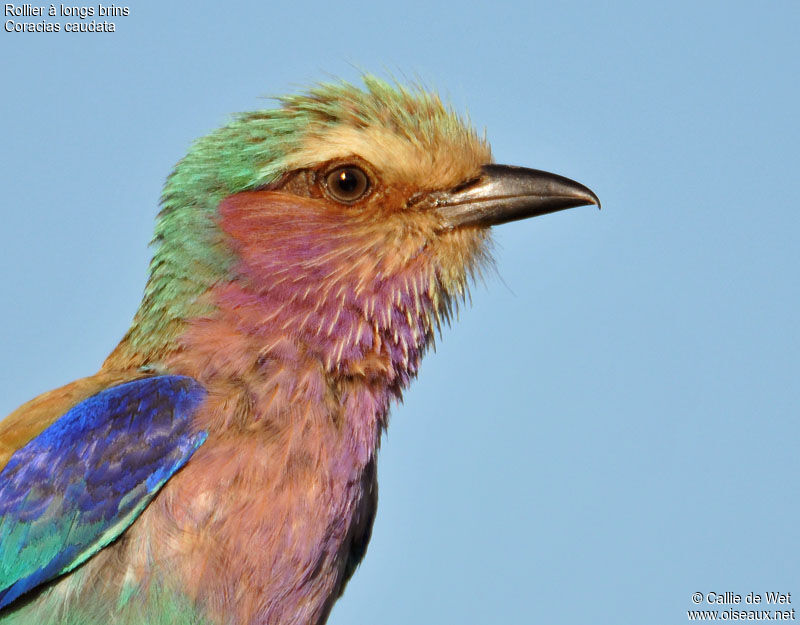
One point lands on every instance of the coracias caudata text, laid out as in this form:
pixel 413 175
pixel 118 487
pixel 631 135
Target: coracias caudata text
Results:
pixel 220 468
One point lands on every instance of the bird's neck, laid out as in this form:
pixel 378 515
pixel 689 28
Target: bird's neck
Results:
pixel 303 341
pixel 374 340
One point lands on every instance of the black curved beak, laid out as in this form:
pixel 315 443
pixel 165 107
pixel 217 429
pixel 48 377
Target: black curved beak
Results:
pixel 504 193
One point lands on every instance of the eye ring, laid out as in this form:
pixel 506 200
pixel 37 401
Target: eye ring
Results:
pixel 347 184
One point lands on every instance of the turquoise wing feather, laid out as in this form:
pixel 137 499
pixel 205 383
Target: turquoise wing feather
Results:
pixel 79 484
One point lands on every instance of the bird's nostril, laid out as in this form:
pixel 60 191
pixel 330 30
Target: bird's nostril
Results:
pixel 416 200
pixel 466 185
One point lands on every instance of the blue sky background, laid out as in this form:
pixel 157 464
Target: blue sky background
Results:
pixel 613 424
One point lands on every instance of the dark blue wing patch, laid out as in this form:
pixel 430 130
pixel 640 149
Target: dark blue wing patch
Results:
pixel 79 484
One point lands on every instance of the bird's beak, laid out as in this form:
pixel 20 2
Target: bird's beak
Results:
pixel 504 193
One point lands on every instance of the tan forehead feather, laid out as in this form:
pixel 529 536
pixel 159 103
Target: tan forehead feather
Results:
pixel 435 162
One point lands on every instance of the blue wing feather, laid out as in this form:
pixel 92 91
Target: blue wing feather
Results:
pixel 80 483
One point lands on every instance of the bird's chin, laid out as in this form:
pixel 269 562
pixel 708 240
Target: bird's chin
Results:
pixel 463 255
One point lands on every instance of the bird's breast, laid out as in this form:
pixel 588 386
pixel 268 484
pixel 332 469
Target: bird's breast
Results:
pixel 278 503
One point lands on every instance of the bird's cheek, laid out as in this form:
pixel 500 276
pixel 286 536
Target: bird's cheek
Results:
pixel 259 222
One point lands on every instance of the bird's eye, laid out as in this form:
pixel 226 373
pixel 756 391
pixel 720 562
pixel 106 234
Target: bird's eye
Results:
pixel 347 184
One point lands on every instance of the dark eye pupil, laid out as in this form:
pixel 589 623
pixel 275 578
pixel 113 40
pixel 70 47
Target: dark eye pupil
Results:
pixel 347 181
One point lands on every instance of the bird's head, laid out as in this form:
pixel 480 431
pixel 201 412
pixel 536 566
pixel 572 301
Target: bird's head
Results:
pixel 346 220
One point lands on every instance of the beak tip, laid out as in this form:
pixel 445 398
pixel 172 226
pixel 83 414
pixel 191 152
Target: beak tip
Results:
pixel 585 194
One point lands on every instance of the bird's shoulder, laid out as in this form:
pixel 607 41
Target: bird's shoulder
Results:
pixel 34 416
pixel 85 463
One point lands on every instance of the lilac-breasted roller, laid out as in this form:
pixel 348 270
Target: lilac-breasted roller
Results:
pixel 220 468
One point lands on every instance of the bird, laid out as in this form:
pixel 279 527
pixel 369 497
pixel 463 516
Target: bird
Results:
pixel 220 467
